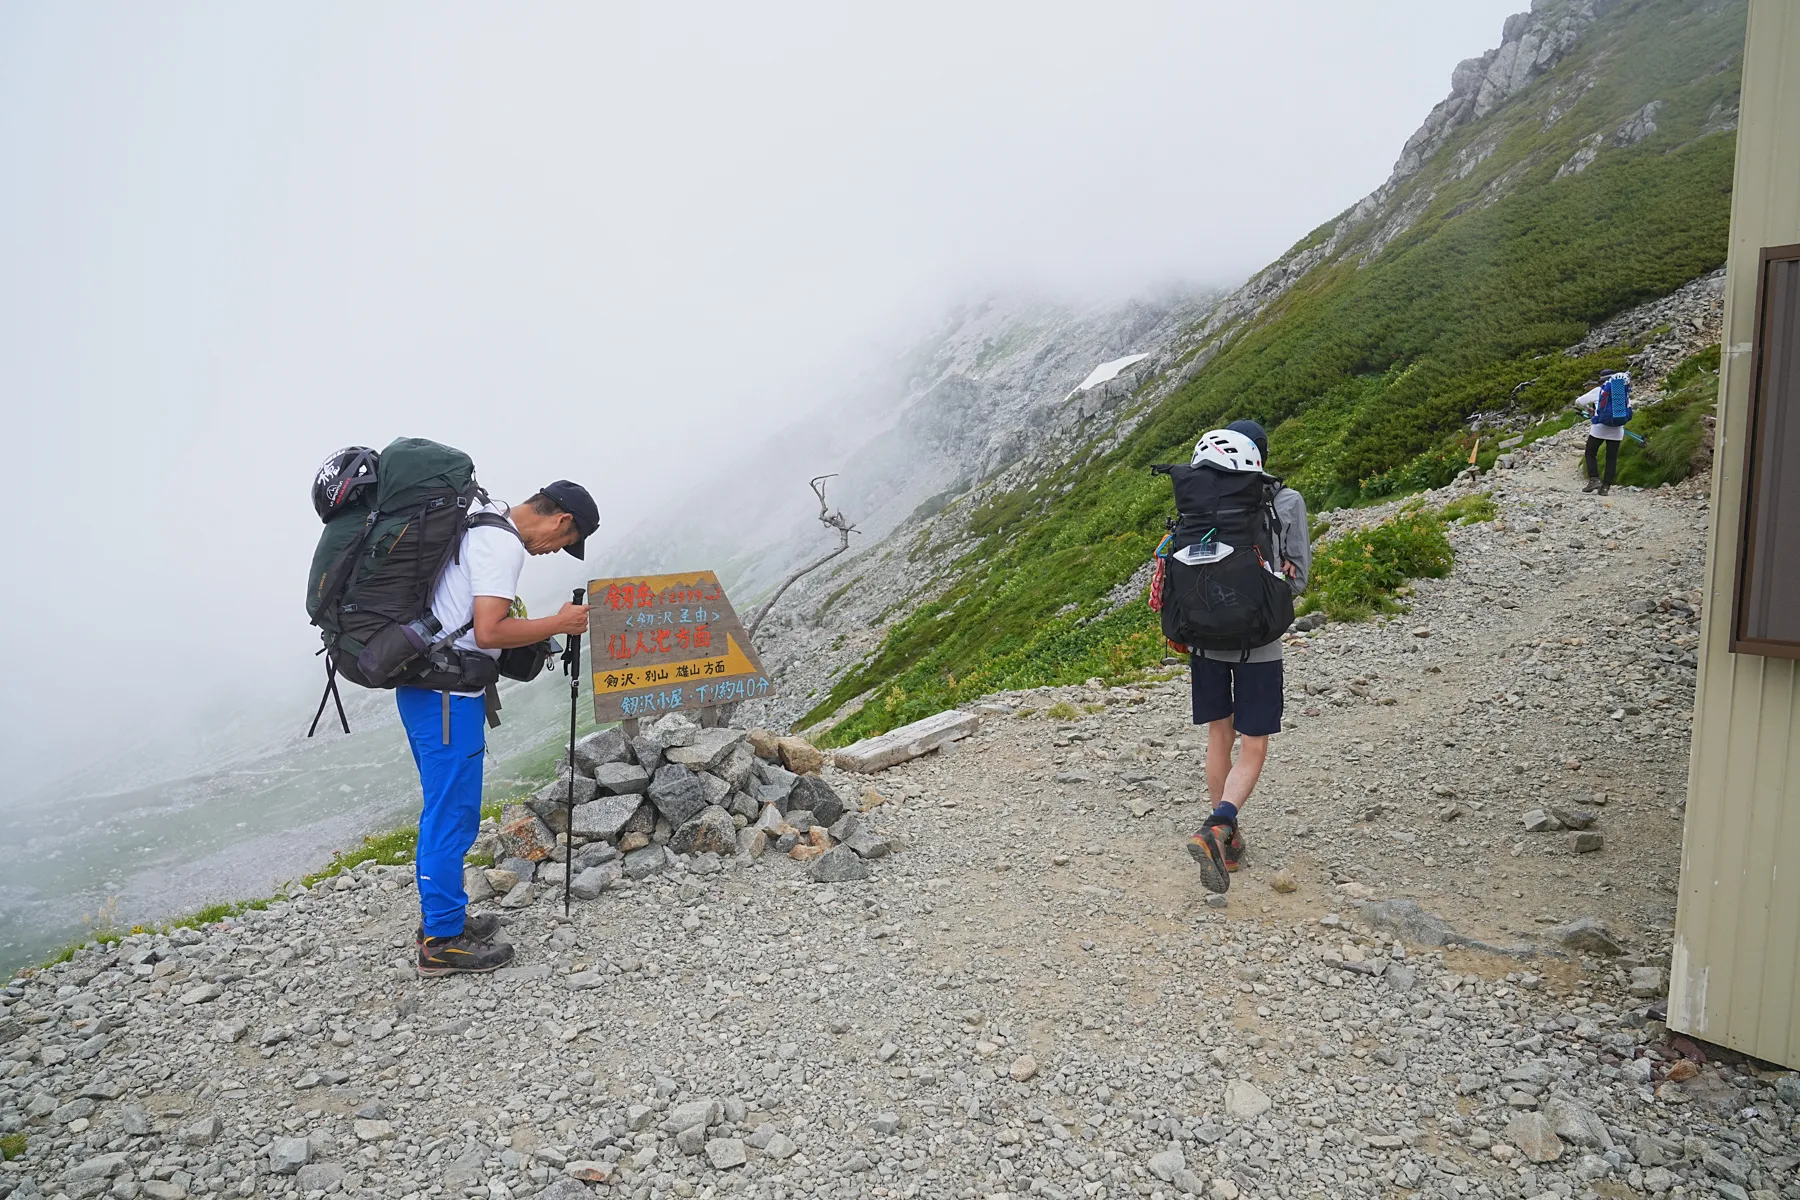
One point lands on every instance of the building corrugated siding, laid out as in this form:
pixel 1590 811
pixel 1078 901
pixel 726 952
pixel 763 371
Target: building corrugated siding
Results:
pixel 1735 976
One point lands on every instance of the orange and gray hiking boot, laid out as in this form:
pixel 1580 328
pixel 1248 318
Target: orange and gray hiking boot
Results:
pixel 480 926
pixel 1219 849
pixel 462 955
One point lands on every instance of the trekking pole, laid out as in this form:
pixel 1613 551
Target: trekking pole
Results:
pixel 571 667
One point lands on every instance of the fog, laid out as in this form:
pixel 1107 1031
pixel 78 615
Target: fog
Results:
pixel 584 241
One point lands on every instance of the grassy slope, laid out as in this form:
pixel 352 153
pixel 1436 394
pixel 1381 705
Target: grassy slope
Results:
pixel 1361 370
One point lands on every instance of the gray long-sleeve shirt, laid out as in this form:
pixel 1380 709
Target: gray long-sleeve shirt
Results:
pixel 1294 545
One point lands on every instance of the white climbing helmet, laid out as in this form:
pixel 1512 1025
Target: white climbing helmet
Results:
pixel 1227 450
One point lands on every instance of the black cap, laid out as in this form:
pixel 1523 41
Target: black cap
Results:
pixel 1254 432
pixel 573 499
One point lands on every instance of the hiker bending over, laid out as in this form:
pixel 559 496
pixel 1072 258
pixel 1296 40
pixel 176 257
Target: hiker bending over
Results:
pixel 411 588
pixel 479 587
pixel 1608 408
pixel 1258 525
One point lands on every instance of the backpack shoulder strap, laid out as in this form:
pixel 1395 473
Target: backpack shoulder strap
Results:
pixel 487 520
pixel 484 520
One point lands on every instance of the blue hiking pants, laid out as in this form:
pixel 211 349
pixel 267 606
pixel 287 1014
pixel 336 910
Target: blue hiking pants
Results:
pixel 450 776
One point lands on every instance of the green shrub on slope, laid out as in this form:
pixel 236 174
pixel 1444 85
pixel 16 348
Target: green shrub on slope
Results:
pixel 1354 576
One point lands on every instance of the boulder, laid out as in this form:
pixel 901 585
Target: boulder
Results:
pixel 765 744
pixel 767 793
pixel 742 804
pixel 641 864
pixel 1586 935
pixel 840 864
pixel 817 797
pixel 712 831
pixel 595 854
pixel 476 885
pixel 288 1155
pixel 1533 1136
pixel 775 776
pixel 647 753
pixel 676 729
pixel 523 834
pixel 869 844
pixel 1574 818
pixel 1577 1124
pixel 642 821
pixel 709 748
pixel 591 881
pixel 799 756
pixel 677 793
pixel 738 767
pixel 1244 1101
pixel 600 747
pixel 713 788
pixel 621 779
pixel 319 1177
pixel 554 796
pixel 908 742
pixel 605 817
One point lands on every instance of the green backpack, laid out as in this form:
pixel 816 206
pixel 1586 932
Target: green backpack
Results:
pixel 374 569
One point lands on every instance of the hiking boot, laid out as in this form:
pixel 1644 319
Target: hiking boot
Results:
pixel 480 926
pixel 1208 849
pixel 1604 488
pixel 462 955
pixel 1233 848
pixel 1590 485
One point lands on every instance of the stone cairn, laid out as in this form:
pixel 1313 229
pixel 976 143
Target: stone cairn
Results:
pixel 675 795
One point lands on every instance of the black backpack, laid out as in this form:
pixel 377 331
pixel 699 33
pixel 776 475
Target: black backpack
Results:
pixel 1222 590
pixel 374 569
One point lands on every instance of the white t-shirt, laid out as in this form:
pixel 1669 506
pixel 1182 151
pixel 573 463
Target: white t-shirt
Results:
pixel 489 565
pixel 1590 400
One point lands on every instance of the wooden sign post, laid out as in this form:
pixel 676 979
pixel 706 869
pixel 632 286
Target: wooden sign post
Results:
pixel 669 643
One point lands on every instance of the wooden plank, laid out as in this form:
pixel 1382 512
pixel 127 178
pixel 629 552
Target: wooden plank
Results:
pixel 906 743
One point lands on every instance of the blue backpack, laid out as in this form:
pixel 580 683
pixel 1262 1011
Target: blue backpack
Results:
pixel 1614 405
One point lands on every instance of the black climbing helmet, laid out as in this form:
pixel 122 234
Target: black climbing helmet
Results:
pixel 341 477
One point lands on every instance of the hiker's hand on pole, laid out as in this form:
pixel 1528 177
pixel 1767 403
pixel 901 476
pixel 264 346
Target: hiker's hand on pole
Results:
pixel 572 620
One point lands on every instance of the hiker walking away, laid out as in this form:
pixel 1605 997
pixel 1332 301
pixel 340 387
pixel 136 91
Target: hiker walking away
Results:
pixel 448 732
pixel 1237 693
pixel 1608 407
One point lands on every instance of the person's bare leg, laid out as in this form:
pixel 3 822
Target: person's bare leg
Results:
pixel 1220 735
pixel 1253 752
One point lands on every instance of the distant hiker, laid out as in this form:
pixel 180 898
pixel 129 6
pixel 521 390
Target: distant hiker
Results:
pixel 1608 407
pixel 1241 552
pixel 441 659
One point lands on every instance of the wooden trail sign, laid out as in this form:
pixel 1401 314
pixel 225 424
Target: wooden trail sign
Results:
pixel 668 643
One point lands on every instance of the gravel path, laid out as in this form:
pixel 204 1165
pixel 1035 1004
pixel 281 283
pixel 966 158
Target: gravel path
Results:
pixel 1033 996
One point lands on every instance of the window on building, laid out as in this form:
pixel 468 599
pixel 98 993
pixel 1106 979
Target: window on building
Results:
pixel 1767 617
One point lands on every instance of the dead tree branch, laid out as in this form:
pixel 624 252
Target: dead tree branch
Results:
pixel 827 518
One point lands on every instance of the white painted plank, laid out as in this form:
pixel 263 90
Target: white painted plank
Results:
pixel 907 742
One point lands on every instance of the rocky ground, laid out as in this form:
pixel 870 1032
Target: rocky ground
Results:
pixel 1419 985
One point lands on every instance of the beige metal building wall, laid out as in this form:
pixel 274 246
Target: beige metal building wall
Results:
pixel 1735 976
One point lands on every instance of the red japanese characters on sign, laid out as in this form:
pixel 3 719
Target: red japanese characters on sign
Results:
pixel 668 642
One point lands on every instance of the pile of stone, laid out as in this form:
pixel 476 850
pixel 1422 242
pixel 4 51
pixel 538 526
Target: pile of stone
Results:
pixel 676 794
pixel 1580 821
